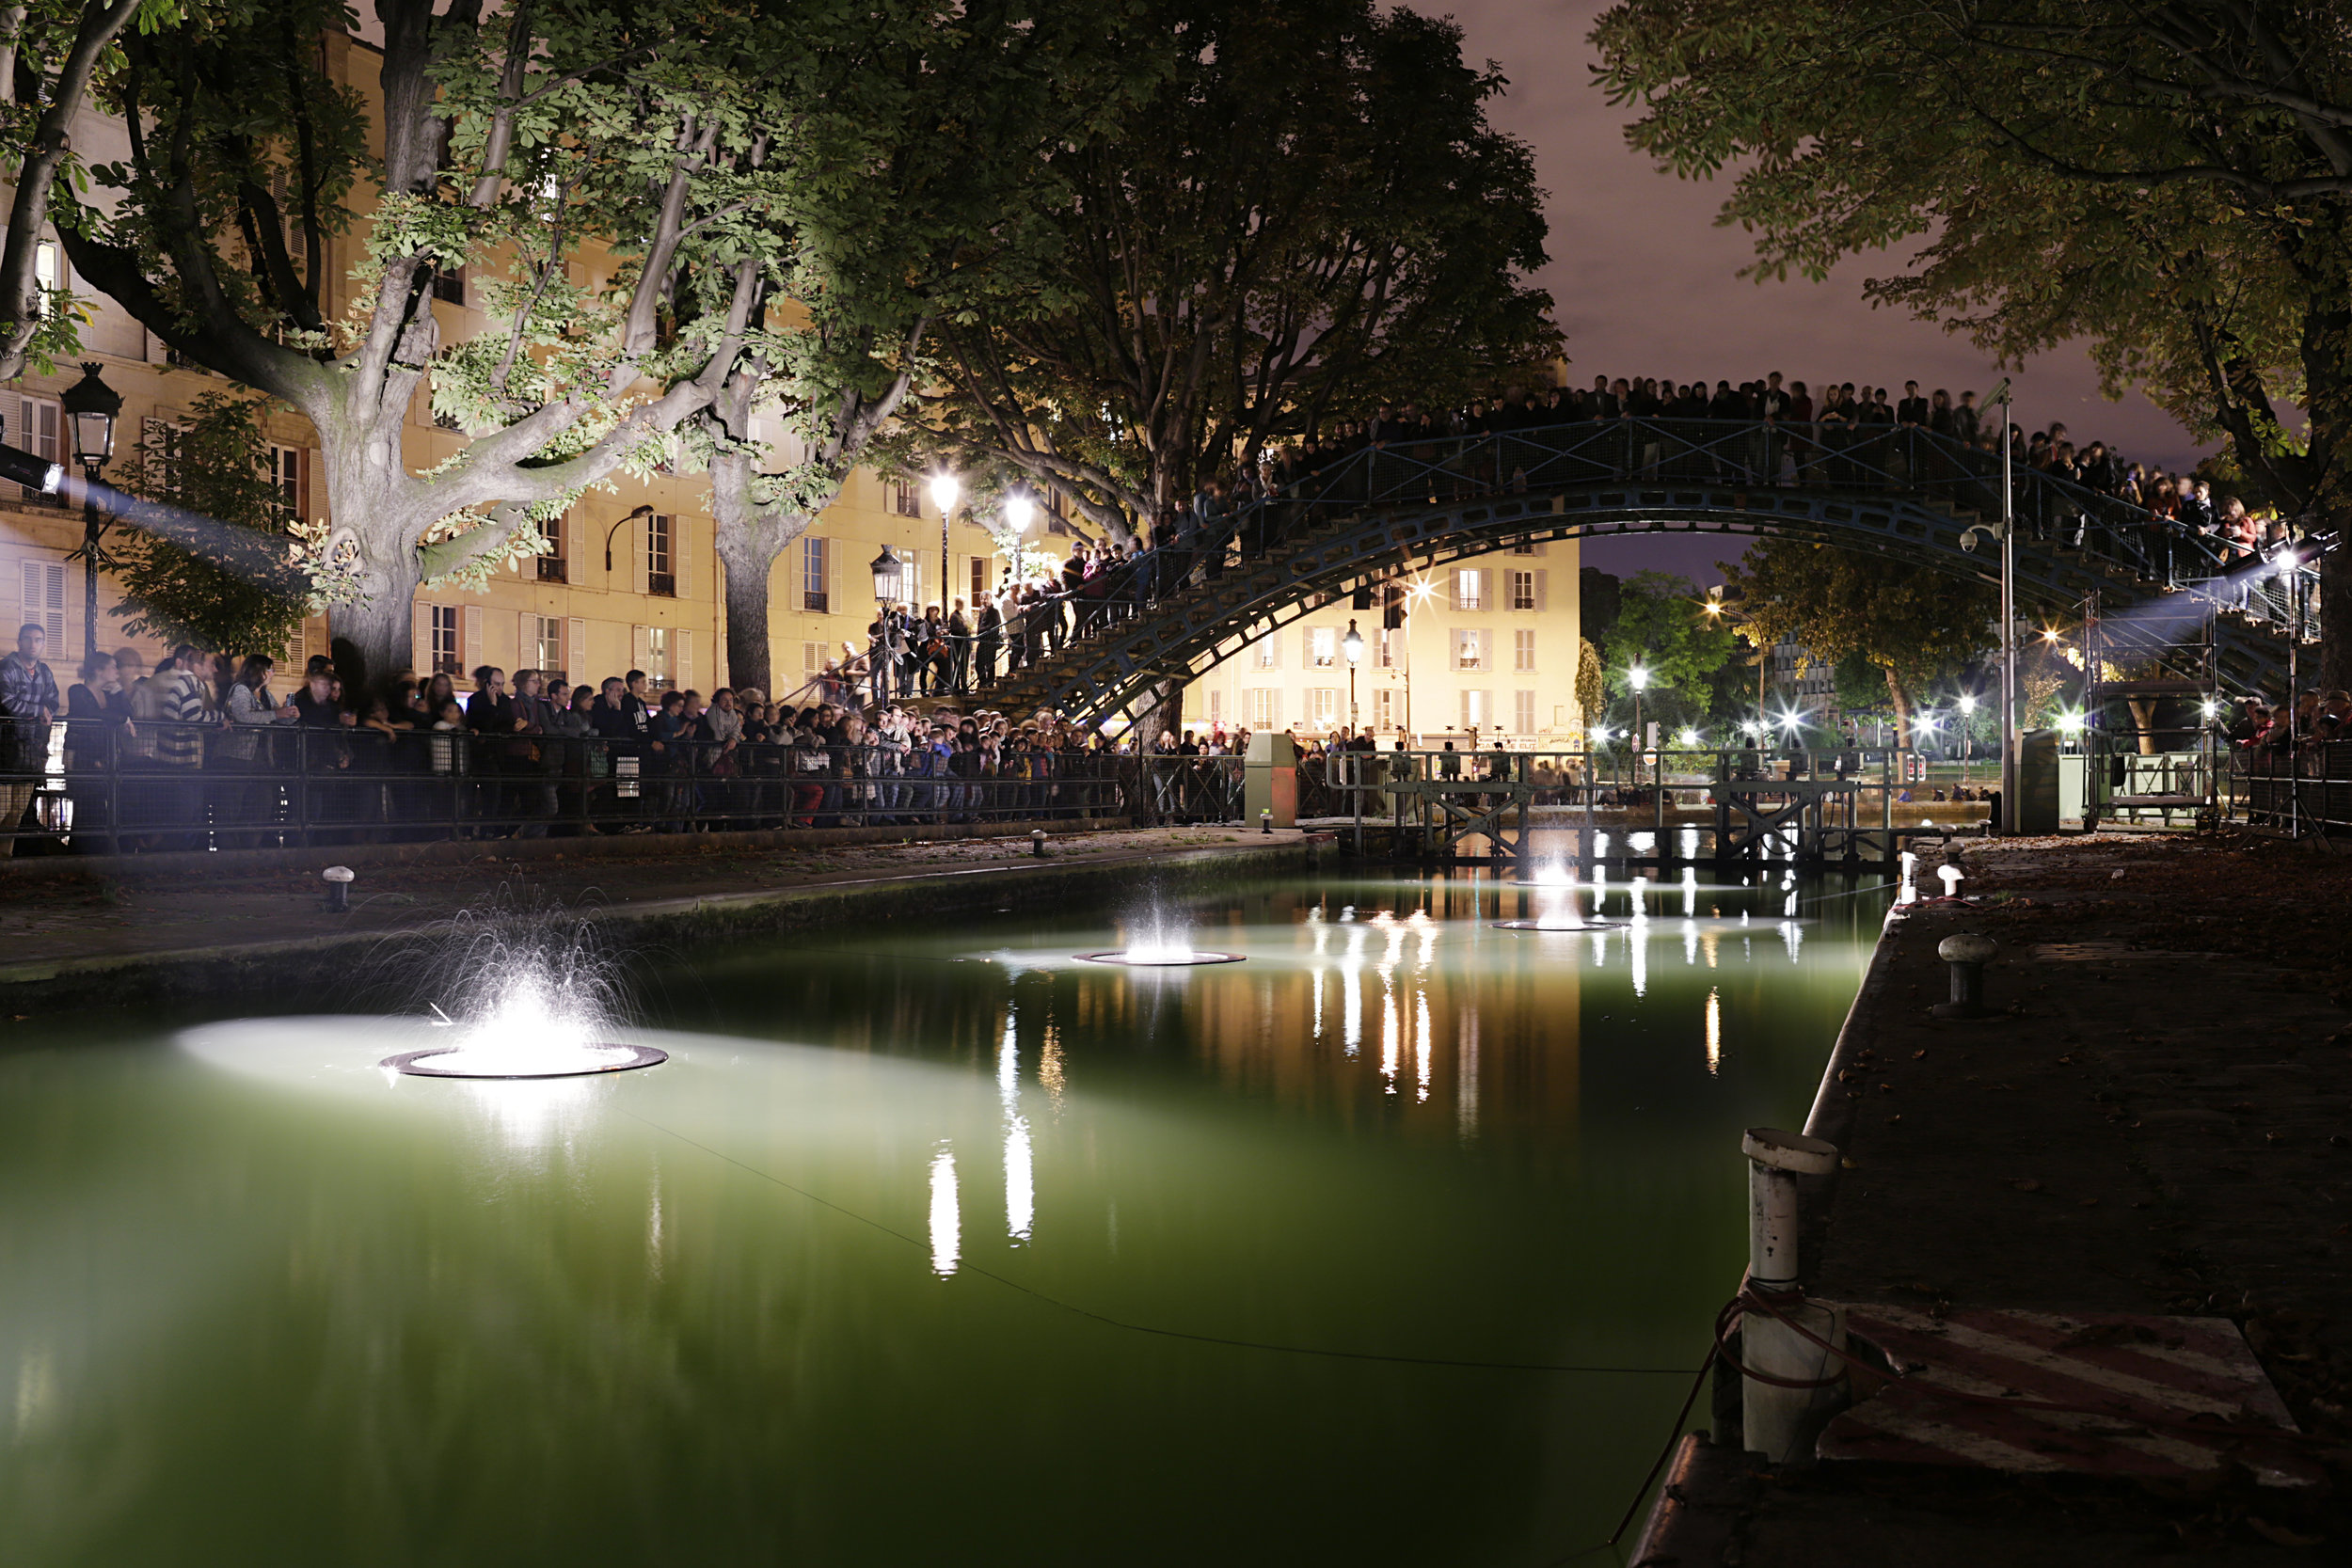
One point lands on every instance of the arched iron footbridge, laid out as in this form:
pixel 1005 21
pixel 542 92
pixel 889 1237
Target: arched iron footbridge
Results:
pixel 1905 493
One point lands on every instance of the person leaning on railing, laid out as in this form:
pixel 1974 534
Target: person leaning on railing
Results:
pixel 28 705
pixel 98 723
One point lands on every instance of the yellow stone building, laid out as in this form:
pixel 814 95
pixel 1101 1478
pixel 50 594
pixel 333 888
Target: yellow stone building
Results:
pixel 631 580
pixel 1489 648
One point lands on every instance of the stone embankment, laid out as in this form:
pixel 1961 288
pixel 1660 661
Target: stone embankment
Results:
pixel 234 925
pixel 2151 1125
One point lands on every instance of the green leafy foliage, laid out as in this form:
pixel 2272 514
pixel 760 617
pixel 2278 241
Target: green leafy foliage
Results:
pixel 238 595
pixel 1308 214
pixel 1660 627
pixel 2172 183
pixel 1912 624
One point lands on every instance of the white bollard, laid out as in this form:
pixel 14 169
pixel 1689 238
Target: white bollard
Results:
pixel 1952 875
pixel 1777 1422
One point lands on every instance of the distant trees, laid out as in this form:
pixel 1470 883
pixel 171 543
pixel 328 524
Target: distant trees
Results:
pixel 1307 215
pixel 2173 183
pixel 1911 624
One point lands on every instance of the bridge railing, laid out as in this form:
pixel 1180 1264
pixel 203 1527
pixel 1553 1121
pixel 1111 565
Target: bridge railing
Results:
pixel 1868 786
pixel 1862 461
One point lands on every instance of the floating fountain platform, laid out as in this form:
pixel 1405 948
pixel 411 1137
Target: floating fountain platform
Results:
pixel 449 1061
pixel 1151 958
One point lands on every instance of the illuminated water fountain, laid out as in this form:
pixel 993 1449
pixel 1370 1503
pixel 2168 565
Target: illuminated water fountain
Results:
pixel 1160 941
pixel 1555 902
pixel 534 1005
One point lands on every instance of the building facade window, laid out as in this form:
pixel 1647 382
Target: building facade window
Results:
pixel 814 597
pixel 1269 652
pixel 285 478
pixel 1323 707
pixel 1523 712
pixel 658 657
pixel 1522 589
pixel 551 566
pixel 1265 707
pixel 1388 648
pixel 903 498
pixel 448 285
pixel 660 556
pixel 979 579
pixel 1470 590
pixel 1384 710
pixel 1323 646
pixel 49 273
pixel 1216 706
pixel 44 601
pixel 1523 650
pixel 1470 649
pixel 546 650
pixel 1477 709
pixel 448 656
pixel 33 424
pixel 813 659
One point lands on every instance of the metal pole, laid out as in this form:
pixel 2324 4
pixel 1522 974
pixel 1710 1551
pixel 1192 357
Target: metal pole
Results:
pixel 2295 642
pixel 91 531
pixel 2009 802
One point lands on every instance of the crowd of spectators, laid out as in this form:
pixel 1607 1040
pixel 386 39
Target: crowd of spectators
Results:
pixel 205 751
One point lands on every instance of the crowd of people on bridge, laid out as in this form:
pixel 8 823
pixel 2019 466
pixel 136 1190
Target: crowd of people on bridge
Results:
pixel 1770 430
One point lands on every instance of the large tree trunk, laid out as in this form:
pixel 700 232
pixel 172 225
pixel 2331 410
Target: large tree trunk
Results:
pixel 749 555
pixel 375 639
pixel 1901 699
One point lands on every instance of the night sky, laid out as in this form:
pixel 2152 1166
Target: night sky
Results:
pixel 1645 283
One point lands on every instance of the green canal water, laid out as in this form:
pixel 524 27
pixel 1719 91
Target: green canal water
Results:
pixel 928 1245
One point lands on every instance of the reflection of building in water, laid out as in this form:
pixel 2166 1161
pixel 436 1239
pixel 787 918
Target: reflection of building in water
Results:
pixel 1388 1023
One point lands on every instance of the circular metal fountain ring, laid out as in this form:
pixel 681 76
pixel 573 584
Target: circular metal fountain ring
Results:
pixel 419 1064
pixel 1189 960
pixel 1581 925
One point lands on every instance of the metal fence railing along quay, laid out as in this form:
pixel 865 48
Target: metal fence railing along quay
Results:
pixel 105 787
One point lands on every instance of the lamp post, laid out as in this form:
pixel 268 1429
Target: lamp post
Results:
pixel 1353 645
pixel 1967 733
pixel 93 406
pixel 944 493
pixel 889 572
pixel 1638 678
pixel 2008 622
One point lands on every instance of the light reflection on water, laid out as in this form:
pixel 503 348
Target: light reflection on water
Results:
pixel 730 1309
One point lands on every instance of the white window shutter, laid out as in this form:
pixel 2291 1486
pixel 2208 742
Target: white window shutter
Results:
pixel 1540 575
pixel 305 460
pixel 682 658
pixel 420 636
pixel 470 624
pixel 43 597
pixel 1454 589
pixel 638 544
pixel 640 648
pixel 681 558
pixel 576 652
pixel 526 641
pixel 1486 587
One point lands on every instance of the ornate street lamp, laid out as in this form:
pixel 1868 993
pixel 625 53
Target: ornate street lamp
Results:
pixel 1353 645
pixel 889 572
pixel 93 408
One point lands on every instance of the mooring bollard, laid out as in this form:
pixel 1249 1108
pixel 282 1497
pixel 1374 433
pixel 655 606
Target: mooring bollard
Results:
pixel 1909 892
pixel 1776 1422
pixel 1967 953
pixel 1037 841
pixel 338 880
pixel 1952 877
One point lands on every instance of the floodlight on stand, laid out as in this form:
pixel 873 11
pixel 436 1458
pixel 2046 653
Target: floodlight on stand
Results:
pixel 19 467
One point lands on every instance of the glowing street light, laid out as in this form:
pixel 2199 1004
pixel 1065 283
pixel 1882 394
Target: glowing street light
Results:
pixel 1638 678
pixel 1019 509
pixel 944 492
